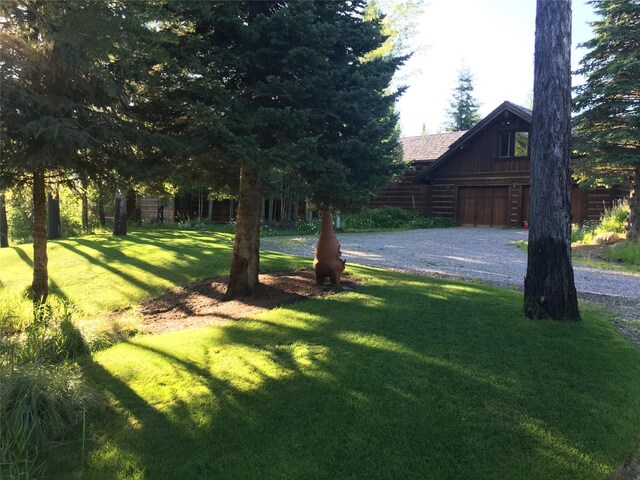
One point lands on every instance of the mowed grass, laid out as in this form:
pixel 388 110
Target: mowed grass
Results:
pixel 407 377
pixel 102 273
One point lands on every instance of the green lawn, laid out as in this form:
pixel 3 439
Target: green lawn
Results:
pixel 407 377
pixel 101 273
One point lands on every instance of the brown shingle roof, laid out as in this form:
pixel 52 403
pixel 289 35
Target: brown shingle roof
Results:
pixel 427 147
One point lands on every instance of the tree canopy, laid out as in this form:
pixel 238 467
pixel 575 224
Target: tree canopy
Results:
pixel 607 124
pixel 67 89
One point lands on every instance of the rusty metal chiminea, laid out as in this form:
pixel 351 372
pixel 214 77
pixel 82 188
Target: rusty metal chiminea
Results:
pixel 327 262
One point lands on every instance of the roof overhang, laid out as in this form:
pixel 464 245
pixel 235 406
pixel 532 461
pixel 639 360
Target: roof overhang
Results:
pixel 506 107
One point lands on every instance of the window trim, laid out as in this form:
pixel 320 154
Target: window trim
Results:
pixel 511 144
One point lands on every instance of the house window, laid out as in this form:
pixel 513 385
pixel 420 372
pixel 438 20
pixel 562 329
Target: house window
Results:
pixel 513 144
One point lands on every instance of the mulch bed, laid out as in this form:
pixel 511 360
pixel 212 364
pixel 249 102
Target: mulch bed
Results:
pixel 202 303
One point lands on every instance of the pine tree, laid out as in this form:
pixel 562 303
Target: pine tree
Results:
pixel 607 127
pixel 463 111
pixel 549 289
pixel 65 87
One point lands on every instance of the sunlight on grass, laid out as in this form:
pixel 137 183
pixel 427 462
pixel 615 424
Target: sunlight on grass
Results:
pixel 101 273
pixel 386 382
pixel 558 450
pixel 406 376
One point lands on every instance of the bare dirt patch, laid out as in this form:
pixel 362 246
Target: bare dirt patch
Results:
pixel 202 303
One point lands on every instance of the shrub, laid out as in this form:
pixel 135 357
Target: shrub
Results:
pixel 51 337
pixel 37 405
pixel 585 233
pixel 41 395
pixel 612 220
pixel 70 213
pixel 388 218
pixel 20 220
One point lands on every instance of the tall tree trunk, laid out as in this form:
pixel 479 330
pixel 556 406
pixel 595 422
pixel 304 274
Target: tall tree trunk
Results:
pixel 40 285
pixel 549 289
pixel 243 274
pixel 85 208
pixel 54 226
pixel 137 214
pixel 102 219
pixel 4 225
pixel 120 214
pixel 633 222
pixel 210 212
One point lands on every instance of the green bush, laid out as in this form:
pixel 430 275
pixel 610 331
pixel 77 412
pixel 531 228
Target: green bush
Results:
pixel 585 233
pixel 612 220
pixel 41 395
pixel 70 213
pixel 20 220
pixel 37 404
pixel 52 337
pixel 389 218
pixel 386 218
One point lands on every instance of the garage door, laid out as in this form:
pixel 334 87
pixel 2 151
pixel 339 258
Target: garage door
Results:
pixel 483 206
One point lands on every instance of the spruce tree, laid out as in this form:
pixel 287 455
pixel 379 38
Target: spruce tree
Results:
pixel 65 88
pixel 317 105
pixel 607 126
pixel 463 107
pixel 288 90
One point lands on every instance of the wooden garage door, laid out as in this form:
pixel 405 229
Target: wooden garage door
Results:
pixel 483 206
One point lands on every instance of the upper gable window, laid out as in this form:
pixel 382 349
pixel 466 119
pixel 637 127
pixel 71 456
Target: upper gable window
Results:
pixel 513 144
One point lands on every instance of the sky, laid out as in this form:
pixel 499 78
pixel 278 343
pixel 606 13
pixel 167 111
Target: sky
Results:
pixel 494 39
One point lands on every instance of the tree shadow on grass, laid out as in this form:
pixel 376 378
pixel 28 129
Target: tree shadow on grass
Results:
pixel 399 380
pixel 54 288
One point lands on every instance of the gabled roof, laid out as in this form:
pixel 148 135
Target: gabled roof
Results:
pixel 427 148
pixel 517 110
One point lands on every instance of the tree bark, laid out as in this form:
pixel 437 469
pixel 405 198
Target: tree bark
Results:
pixel 120 214
pixel 549 289
pixel 102 218
pixel 4 225
pixel 54 226
pixel 85 210
pixel 243 274
pixel 40 285
pixel 633 222
pixel 137 214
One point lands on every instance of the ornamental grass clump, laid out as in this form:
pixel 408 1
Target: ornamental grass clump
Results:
pixel 612 220
pixel 42 396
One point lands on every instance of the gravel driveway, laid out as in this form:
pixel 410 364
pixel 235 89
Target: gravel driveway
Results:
pixel 485 254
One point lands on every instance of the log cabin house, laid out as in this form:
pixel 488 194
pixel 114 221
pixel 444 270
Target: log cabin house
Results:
pixel 481 176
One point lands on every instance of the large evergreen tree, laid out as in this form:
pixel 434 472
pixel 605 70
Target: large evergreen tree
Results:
pixel 549 290
pixel 317 106
pixel 64 91
pixel 463 108
pixel 607 127
pixel 277 89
